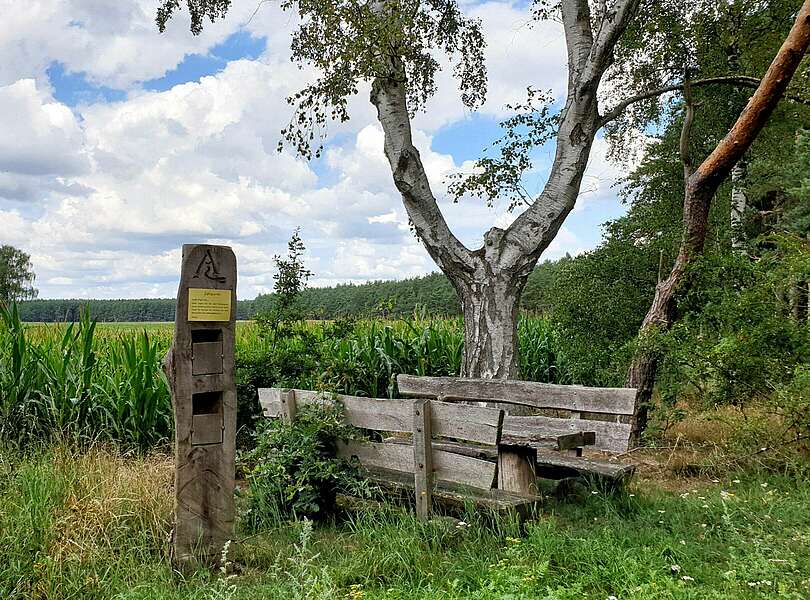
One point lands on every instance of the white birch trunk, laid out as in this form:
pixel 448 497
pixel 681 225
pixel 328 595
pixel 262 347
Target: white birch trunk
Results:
pixel 739 204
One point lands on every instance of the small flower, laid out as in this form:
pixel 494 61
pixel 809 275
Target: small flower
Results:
pixel 687 578
pixel 763 485
pixel 735 481
pixel 594 493
pixel 683 542
pixel 675 568
pixel 662 511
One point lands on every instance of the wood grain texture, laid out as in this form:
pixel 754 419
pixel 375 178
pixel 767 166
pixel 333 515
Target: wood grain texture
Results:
pixel 205 466
pixel 288 405
pixel 472 423
pixel 516 470
pixel 422 458
pixel 366 413
pixel 479 424
pixel 526 393
pixel 447 466
pixel 611 437
pixel 554 465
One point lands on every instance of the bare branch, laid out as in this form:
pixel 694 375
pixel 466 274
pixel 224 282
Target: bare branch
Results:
pixel 736 80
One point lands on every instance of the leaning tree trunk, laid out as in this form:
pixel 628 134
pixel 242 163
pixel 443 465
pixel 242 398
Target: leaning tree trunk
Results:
pixel 700 189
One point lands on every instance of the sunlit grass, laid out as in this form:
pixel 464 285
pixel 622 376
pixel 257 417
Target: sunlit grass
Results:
pixel 93 525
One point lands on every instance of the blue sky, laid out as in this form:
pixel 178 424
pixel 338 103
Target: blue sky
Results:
pixel 124 144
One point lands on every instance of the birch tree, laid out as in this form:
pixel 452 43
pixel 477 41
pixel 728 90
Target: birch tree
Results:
pixel 392 45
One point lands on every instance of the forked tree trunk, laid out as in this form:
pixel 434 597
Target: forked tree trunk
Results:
pixel 700 189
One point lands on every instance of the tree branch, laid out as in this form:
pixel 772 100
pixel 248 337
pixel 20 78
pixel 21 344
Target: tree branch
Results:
pixel 752 119
pixel 531 233
pixel 737 80
pixel 686 130
pixel 576 18
pixel 388 95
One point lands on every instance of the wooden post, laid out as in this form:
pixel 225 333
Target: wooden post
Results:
pixel 516 469
pixel 575 414
pixel 200 370
pixel 288 406
pixel 422 458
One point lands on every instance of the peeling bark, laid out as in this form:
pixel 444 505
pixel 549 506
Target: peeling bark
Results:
pixel 490 280
pixel 739 204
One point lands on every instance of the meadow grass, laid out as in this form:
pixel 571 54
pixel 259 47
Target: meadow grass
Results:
pixel 96 525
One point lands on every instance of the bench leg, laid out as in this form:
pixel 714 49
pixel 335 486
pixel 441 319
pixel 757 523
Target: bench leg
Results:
pixel 516 469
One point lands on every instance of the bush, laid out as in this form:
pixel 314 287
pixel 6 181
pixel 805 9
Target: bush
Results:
pixel 294 470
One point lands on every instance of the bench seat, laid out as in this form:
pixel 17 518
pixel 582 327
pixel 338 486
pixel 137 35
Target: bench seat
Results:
pixel 554 465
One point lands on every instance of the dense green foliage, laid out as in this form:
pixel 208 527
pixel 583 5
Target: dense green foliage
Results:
pixel 16 275
pixel 432 294
pixel 89 382
pixel 294 470
pixel 69 383
pixel 95 526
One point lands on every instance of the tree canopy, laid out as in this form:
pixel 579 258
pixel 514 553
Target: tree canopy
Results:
pixel 16 275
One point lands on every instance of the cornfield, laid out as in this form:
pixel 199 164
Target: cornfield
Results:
pixel 85 382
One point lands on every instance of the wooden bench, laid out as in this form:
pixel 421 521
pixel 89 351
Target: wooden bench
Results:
pixel 545 445
pixel 428 457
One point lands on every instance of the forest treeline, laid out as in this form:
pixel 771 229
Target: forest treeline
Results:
pixel 431 293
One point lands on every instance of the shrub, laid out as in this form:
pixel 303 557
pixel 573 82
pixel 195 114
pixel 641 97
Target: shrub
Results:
pixel 294 470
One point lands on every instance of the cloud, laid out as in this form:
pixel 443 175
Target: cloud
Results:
pixel 115 44
pixel 103 195
pixel 42 145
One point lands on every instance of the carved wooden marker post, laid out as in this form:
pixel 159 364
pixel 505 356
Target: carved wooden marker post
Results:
pixel 201 374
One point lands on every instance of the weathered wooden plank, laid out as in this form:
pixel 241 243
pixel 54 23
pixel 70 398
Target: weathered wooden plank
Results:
pixel 555 465
pixel 459 496
pixel 526 393
pixel 394 457
pixel 288 406
pixel 447 466
pixel 422 457
pixel 516 469
pixel 367 413
pixel 612 437
pixel 479 424
pixel 483 452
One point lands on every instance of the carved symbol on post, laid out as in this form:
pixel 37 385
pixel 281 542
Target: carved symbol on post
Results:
pixel 209 268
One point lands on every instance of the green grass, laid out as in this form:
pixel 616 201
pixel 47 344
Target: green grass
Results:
pixel 94 525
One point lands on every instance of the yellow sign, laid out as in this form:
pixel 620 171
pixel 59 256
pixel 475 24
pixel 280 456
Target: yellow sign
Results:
pixel 209 305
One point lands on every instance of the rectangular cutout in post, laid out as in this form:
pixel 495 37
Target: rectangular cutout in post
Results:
pixel 206 352
pixel 207 419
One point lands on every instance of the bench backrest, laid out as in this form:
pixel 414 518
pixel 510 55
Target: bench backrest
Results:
pixel 605 408
pixel 422 419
